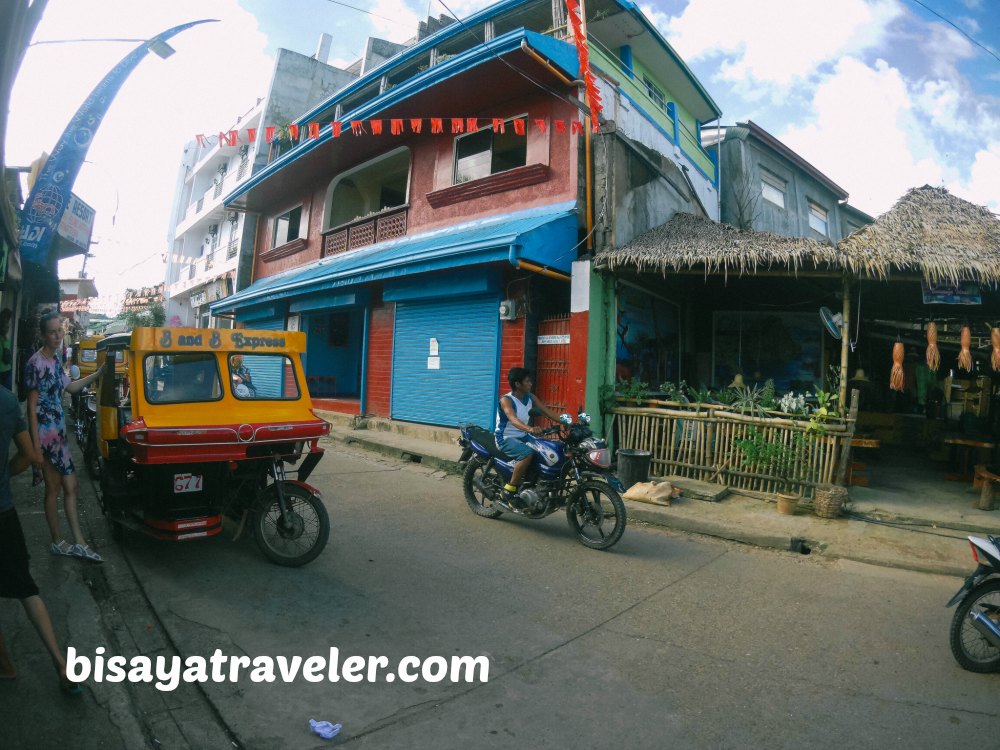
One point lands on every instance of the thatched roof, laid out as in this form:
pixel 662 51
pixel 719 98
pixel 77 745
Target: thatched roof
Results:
pixel 946 238
pixel 688 241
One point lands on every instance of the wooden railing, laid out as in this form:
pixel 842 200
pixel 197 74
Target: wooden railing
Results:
pixel 699 442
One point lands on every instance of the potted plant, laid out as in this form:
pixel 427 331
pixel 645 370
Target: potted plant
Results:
pixel 774 458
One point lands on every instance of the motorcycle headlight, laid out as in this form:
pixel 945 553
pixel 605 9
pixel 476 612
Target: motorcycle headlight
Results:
pixel 600 458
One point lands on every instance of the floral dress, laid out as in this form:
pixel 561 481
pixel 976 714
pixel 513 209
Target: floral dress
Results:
pixel 47 377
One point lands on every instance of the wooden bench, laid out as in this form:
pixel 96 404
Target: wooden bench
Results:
pixel 983 481
pixel 857 472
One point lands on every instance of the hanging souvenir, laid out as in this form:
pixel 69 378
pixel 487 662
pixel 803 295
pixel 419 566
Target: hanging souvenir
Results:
pixel 933 355
pixel 965 356
pixel 896 376
pixel 995 339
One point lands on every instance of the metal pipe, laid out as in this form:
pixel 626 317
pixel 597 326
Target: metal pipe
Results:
pixel 545 64
pixel 845 338
pixel 543 271
pixel 986 627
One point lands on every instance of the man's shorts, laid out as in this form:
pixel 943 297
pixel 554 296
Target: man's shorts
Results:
pixel 515 447
pixel 15 578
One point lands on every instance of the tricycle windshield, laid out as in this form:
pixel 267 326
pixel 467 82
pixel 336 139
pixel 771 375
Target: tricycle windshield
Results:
pixel 263 377
pixel 181 378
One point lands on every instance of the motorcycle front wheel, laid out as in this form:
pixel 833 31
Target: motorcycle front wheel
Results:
pixel 597 514
pixel 970 649
pixel 299 540
pixel 482 484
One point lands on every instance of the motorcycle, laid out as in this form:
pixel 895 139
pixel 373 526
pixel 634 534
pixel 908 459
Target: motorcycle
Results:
pixel 573 472
pixel 975 628
pixel 85 429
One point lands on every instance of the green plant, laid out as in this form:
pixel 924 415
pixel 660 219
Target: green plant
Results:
pixel 824 411
pixel 748 401
pixel 701 395
pixel 770 456
pixel 768 397
pixel 632 390
pixel 675 391
pixel 725 396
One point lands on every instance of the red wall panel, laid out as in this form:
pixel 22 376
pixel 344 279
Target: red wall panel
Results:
pixel 379 376
pixel 511 349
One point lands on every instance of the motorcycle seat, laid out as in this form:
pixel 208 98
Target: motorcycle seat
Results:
pixel 486 439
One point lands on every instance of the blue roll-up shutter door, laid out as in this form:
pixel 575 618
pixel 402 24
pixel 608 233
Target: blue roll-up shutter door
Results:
pixel 464 389
pixel 266 372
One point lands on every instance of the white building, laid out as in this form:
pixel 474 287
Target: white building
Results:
pixel 209 246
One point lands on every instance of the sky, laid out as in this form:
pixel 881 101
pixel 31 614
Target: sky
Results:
pixel 880 95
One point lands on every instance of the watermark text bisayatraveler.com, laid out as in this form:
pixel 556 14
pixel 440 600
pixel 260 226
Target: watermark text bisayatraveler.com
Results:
pixel 166 673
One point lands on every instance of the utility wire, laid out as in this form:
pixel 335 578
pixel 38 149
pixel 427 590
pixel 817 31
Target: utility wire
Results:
pixel 374 15
pixel 961 31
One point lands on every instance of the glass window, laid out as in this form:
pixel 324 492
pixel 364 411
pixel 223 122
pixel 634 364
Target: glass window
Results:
pixel 181 378
pixel 263 377
pixel 88 355
pixel 818 218
pixel 655 93
pixel 286 227
pixel 772 189
pixel 484 152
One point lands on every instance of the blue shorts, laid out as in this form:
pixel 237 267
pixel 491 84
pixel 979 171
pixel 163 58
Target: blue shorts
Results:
pixel 515 447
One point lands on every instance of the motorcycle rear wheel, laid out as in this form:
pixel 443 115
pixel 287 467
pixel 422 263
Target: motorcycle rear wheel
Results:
pixel 305 537
pixel 481 484
pixel 970 649
pixel 588 513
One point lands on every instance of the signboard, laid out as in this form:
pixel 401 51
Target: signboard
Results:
pixel 960 293
pixel 75 227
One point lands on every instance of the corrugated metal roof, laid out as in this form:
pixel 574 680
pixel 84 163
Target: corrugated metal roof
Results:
pixel 546 236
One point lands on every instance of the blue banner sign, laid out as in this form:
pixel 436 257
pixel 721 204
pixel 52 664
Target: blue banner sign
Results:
pixel 50 195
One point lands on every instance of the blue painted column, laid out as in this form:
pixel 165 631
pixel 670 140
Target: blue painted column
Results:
pixel 625 54
pixel 672 114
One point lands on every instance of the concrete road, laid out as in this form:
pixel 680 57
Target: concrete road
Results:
pixel 664 641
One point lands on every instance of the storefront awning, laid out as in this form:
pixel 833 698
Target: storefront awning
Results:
pixel 544 236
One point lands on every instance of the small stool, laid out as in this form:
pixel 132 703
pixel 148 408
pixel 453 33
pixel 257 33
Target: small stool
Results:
pixel 983 481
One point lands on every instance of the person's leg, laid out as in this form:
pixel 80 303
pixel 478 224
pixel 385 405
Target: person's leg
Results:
pixel 520 468
pixel 53 483
pixel 71 488
pixel 35 608
pixel 7 669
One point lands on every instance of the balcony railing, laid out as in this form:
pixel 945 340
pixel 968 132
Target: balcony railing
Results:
pixel 365 231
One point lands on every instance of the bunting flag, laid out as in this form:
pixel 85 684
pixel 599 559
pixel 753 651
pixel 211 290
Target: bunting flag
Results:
pixel 49 196
pixel 397 126
pixel 593 95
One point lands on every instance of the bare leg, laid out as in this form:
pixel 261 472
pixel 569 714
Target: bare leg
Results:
pixel 7 669
pixel 520 468
pixel 34 607
pixel 53 483
pixel 71 488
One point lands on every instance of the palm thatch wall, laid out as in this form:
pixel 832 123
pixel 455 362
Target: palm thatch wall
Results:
pixel 944 237
pixel 688 241
pixel 928 231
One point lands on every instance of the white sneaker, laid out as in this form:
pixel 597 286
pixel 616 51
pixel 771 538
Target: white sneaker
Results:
pixel 82 550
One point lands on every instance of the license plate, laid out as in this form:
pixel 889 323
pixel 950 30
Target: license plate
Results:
pixel 187 483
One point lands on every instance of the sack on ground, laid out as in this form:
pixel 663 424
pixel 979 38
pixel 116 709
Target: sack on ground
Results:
pixel 657 493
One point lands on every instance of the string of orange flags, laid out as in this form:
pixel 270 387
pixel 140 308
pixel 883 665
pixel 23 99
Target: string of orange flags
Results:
pixel 395 126
pixel 580 38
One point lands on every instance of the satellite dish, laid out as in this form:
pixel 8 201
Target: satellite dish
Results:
pixel 832 322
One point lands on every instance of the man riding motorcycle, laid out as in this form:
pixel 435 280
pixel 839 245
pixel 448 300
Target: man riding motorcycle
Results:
pixel 513 425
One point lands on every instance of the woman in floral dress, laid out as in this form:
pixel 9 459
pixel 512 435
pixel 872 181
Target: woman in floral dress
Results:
pixel 45 382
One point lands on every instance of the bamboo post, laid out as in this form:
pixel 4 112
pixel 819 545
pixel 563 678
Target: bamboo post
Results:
pixel 845 449
pixel 845 341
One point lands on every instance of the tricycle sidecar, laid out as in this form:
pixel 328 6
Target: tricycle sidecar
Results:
pixel 209 422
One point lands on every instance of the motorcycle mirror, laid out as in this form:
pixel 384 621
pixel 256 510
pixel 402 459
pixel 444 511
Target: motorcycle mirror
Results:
pixel 566 418
pixel 583 418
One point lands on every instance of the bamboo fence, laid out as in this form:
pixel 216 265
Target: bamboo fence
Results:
pixel 699 442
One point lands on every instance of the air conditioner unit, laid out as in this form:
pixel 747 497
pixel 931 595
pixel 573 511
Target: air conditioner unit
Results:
pixel 213 229
pixel 508 309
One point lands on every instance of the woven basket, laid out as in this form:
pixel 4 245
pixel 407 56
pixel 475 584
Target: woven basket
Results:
pixel 829 500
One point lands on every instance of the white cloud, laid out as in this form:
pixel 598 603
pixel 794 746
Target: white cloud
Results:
pixel 217 73
pixel 774 43
pixel 879 152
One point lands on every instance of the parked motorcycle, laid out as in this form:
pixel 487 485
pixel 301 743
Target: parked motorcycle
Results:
pixel 572 472
pixel 975 628
pixel 86 432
